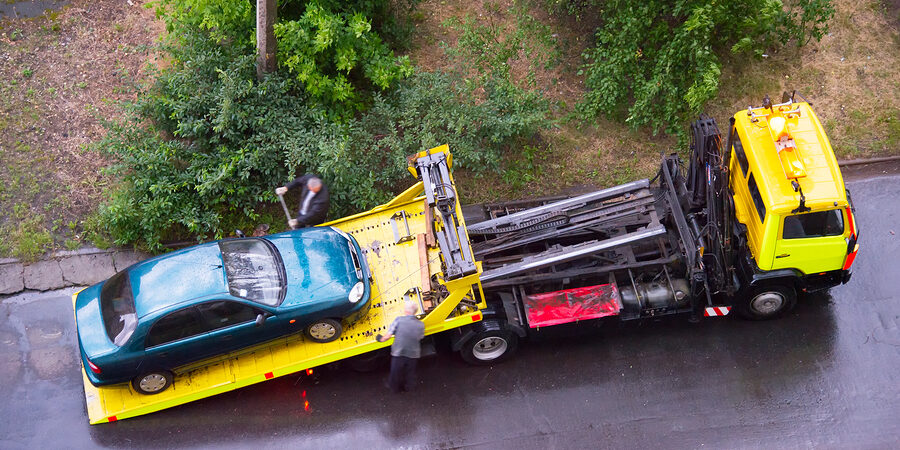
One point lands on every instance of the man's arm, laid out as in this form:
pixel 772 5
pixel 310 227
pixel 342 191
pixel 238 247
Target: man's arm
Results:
pixel 299 181
pixel 390 332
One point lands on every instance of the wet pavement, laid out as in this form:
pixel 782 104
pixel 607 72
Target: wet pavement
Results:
pixel 827 375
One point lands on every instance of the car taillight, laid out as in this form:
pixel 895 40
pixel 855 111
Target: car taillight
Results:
pixel 93 366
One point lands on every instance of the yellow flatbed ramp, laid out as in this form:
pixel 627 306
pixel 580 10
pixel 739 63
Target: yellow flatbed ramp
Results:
pixel 391 237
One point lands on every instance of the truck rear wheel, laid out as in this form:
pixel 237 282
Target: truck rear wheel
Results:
pixel 767 302
pixel 489 346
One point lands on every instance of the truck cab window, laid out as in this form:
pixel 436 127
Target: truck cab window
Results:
pixel 816 224
pixel 741 156
pixel 757 198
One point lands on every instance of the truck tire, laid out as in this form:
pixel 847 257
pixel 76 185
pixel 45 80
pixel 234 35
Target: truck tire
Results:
pixel 767 302
pixel 489 346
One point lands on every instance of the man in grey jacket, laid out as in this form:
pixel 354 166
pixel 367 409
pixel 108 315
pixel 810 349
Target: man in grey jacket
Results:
pixel 407 332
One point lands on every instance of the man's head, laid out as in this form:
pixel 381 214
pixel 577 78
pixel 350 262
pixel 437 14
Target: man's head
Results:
pixel 314 184
pixel 410 307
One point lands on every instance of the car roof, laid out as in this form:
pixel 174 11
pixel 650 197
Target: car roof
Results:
pixel 196 272
pixel 176 277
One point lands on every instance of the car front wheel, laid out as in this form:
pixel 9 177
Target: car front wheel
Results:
pixel 152 382
pixel 324 330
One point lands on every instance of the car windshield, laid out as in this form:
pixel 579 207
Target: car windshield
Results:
pixel 253 270
pixel 117 308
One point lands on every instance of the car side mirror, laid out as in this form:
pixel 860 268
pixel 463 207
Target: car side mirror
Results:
pixel 260 319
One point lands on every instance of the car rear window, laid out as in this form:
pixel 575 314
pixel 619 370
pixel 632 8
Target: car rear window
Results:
pixel 816 224
pixel 117 308
pixel 254 270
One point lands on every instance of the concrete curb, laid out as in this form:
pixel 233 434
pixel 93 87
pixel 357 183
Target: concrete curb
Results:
pixel 858 162
pixel 82 267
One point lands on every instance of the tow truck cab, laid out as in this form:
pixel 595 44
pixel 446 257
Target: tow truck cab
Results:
pixel 789 196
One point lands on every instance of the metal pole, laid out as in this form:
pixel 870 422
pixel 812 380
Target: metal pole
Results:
pixel 285 208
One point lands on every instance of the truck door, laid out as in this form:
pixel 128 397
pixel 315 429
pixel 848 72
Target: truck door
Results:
pixel 812 242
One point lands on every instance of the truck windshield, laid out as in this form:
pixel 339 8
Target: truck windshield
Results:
pixel 815 224
pixel 253 269
pixel 117 308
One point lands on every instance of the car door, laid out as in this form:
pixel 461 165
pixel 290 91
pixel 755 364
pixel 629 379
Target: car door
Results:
pixel 233 326
pixel 177 338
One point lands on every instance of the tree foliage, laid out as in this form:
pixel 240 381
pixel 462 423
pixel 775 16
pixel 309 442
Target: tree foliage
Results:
pixel 205 143
pixel 329 46
pixel 657 62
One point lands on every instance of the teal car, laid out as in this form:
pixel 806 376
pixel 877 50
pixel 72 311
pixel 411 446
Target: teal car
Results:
pixel 146 321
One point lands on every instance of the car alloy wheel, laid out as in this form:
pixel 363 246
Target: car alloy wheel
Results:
pixel 325 330
pixel 152 382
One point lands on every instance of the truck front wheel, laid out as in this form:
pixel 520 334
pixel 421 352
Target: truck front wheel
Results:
pixel 767 302
pixel 489 347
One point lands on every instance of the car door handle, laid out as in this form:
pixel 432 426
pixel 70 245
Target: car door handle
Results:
pixel 783 255
pixel 227 337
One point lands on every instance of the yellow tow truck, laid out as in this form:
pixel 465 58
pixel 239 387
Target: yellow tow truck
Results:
pixel 756 217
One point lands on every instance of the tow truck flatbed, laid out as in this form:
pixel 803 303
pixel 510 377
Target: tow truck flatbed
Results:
pixel 392 238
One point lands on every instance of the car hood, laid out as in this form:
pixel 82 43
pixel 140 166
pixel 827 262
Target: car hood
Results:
pixel 91 333
pixel 178 276
pixel 318 264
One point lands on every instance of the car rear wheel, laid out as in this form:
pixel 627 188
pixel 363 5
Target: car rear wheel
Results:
pixel 324 330
pixel 152 382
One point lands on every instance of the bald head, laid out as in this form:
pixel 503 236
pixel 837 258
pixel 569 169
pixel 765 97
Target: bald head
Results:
pixel 314 184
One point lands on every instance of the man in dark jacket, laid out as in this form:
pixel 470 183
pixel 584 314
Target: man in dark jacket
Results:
pixel 314 201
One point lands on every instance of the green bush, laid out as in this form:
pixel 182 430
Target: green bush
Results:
pixel 226 151
pixel 365 160
pixel 204 145
pixel 656 62
pixel 325 49
pixel 329 46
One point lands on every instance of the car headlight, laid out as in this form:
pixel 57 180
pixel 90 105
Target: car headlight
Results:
pixel 357 292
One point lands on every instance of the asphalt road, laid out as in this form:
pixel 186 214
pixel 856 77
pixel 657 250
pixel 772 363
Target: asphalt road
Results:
pixel 827 375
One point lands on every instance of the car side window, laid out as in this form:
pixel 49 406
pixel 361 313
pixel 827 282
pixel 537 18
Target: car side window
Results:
pixel 225 313
pixel 180 324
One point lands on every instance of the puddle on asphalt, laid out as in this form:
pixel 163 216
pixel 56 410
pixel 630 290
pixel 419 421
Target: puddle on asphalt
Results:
pixel 28 8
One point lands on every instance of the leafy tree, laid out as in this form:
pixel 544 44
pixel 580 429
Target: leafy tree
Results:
pixel 656 62
pixel 328 45
pixel 202 147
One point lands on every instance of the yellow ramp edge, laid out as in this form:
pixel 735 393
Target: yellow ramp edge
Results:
pixel 394 268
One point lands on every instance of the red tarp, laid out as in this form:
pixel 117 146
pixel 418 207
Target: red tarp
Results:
pixel 570 305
